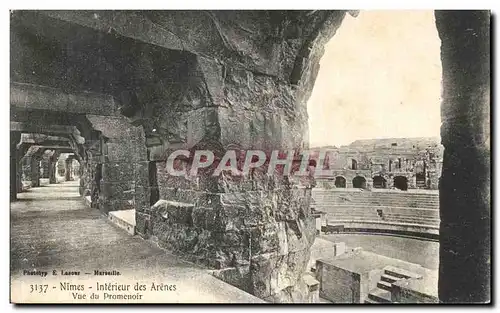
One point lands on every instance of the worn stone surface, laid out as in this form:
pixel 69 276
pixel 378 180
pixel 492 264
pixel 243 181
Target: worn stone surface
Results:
pixel 465 186
pixel 264 235
pixel 402 163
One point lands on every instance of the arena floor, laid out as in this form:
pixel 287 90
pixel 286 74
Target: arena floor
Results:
pixel 425 253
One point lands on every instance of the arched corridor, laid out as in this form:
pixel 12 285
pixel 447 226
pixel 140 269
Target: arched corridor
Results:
pixel 52 229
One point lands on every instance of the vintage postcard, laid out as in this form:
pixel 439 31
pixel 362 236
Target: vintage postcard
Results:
pixel 271 156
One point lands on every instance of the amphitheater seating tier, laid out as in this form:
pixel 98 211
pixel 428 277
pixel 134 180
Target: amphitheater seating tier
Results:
pixel 415 213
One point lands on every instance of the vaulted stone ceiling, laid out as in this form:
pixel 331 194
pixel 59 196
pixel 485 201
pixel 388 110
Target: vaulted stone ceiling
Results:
pixel 167 67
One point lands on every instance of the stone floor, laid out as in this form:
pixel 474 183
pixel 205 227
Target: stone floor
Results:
pixel 52 229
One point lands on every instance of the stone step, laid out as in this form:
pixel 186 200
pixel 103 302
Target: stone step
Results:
pixel 414 220
pixel 395 197
pixel 419 205
pixel 380 296
pixel 393 202
pixel 400 273
pixel 389 278
pixel 384 285
pixel 372 197
pixel 377 196
pixel 411 214
pixel 125 219
pixel 370 301
pixel 345 221
pixel 390 207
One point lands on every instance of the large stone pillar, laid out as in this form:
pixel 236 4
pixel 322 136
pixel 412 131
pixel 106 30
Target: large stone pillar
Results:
pixel 26 168
pixel 465 205
pixel 19 178
pixel 19 169
pixel 35 170
pixel 68 166
pixel 123 170
pixel 45 165
pixel 14 174
pixel 61 167
pixel 53 167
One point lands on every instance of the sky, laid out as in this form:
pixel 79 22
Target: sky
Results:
pixel 380 77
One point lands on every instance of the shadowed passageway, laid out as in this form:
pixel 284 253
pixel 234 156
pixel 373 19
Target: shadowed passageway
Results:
pixel 52 229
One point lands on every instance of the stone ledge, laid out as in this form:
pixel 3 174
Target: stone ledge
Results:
pixel 124 219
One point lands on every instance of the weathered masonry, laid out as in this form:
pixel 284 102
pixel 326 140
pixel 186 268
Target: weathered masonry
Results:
pixel 401 163
pixel 122 89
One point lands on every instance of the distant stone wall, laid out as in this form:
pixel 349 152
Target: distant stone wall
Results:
pixel 419 160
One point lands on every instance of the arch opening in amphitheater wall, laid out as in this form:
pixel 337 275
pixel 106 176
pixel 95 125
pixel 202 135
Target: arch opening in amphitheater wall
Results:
pixel 359 182
pixel 379 182
pixel 340 182
pixel 401 183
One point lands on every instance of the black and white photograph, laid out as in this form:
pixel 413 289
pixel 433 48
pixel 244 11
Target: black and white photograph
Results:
pixel 250 156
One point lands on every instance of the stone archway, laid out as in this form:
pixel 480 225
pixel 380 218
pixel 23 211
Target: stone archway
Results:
pixel 359 182
pixel 401 183
pixel 420 179
pixel 340 182
pixel 379 182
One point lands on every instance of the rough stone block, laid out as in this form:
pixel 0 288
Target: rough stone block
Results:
pixel 261 269
pixel 236 276
pixel 141 173
pixel 297 238
pixel 118 171
pixel 117 190
pixel 264 239
pixel 174 212
pixel 142 197
pixel 142 221
pixel 336 284
pixel 126 151
pixel 106 206
pixel 312 287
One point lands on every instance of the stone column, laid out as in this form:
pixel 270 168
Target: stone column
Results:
pixel 19 178
pixel 68 173
pixel 45 166
pixel 53 168
pixel 465 186
pixel 14 175
pixel 26 168
pixel 35 170
pixel 412 181
pixel 19 166
pixel 61 167
pixel 124 183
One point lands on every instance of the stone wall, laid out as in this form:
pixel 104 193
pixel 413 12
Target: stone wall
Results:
pixel 465 185
pixel 389 158
pixel 256 230
pixel 115 172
